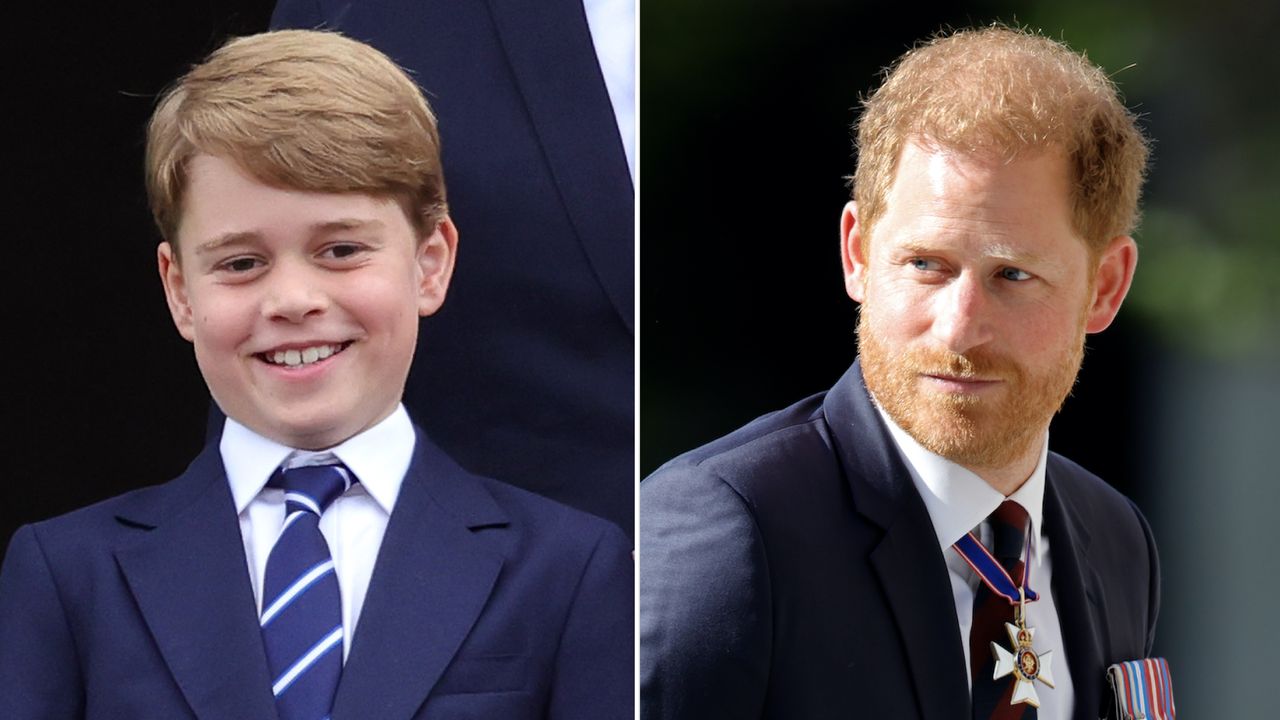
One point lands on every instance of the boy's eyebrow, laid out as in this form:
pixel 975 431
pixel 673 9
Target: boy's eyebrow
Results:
pixel 327 226
pixel 223 240
pixel 345 224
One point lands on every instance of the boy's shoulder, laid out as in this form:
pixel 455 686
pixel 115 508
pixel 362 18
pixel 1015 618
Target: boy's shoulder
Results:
pixel 94 526
pixel 487 504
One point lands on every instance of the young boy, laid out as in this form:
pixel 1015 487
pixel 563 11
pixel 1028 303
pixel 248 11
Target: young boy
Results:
pixel 324 558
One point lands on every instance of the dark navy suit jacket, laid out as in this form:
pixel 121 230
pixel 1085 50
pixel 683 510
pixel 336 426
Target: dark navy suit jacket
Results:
pixel 527 372
pixel 486 602
pixel 790 570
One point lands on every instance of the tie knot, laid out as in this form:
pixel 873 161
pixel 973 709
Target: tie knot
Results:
pixel 1009 527
pixel 312 487
pixel 1012 514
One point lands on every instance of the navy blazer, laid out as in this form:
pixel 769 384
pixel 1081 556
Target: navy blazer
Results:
pixel 790 570
pixel 528 371
pixel 486 602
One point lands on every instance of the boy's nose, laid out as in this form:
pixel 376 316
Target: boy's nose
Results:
pixel 292 295
pixel 961 318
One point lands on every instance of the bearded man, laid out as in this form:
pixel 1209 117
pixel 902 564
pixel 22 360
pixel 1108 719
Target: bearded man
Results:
pixel 905 545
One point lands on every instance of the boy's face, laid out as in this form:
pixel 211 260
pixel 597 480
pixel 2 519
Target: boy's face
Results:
pixel 303 307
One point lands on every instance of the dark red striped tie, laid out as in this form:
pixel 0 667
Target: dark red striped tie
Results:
pixel 990 613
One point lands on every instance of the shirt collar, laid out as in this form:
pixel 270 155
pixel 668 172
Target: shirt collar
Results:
pixel 379 457
pixel 956 498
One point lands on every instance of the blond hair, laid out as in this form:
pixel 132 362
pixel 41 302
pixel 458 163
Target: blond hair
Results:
pixel 1004 92
pixel 304 110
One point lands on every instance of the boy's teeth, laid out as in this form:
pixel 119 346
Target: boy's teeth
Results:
pixel 306 356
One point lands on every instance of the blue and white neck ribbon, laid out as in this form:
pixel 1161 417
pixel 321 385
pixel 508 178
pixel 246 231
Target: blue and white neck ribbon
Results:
pixel 993 573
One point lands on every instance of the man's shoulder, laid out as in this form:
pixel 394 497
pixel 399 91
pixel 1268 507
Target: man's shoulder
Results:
pixel 1110 517
pixel 782 443
pixel 1089 495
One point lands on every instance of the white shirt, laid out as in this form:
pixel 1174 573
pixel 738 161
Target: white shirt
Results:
pixel 958 501
pixel 353 525
pixel 612 24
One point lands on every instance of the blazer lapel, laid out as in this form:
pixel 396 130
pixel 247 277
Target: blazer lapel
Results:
pixel 430 584
pixel 907 560
pixel 554 62
pixel 1075 592
pixel 188 575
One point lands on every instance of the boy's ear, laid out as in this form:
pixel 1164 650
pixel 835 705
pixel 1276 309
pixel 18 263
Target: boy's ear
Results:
pixel 852 257
pixel 175 290
pixel 436 254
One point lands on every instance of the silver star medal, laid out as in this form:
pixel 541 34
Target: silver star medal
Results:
pixel 1024 663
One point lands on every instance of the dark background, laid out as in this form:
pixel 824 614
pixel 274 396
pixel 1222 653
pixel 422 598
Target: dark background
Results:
pixel 745 137
pixel 103 395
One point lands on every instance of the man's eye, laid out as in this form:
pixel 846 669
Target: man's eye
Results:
pixel 923 264
pixel 1015 274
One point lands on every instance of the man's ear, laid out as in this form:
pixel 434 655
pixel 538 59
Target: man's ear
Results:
pixel 435 256
pixel 1111 281
pixel 852 256
pixel 175 290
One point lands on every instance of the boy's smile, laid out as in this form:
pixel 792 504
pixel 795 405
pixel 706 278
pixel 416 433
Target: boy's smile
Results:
pixel 302 306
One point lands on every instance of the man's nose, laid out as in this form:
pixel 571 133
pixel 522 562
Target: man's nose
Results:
pixel 293 293
pixel 962 312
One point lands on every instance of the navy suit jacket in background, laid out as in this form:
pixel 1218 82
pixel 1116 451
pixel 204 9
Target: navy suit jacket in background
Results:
pixel 790 570
pixel 486 602
pixel 528 371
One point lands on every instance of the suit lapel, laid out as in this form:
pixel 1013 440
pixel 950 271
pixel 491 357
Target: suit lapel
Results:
pixel 554 63
pixel 432 579
pixel 907 561
pixel 915 580
pixel 1075 587
pixel 188 575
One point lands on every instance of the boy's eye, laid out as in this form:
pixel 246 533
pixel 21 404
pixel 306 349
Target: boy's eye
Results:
pixel 342 250
pixel 1014 274
pixel 240 264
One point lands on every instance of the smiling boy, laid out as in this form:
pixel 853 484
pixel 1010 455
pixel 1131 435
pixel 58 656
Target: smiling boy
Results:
pixel 302 306
pixel 324 558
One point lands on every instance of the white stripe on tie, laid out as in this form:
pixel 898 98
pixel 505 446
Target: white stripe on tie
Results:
pixel 295 589
pixel 293 517
pixel 303 500
pixel 346 478
pixel 306 661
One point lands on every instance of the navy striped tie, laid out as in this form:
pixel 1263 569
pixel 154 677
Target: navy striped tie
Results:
pixel 301 608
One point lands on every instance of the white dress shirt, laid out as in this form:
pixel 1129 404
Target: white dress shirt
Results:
pixel 353 525
pixel 959 501
pixel 612 24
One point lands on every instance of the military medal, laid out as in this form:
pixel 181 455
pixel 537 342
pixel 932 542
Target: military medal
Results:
pixel 1023 661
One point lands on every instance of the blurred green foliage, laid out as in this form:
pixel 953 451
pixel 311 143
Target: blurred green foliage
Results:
pixel 1203 78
